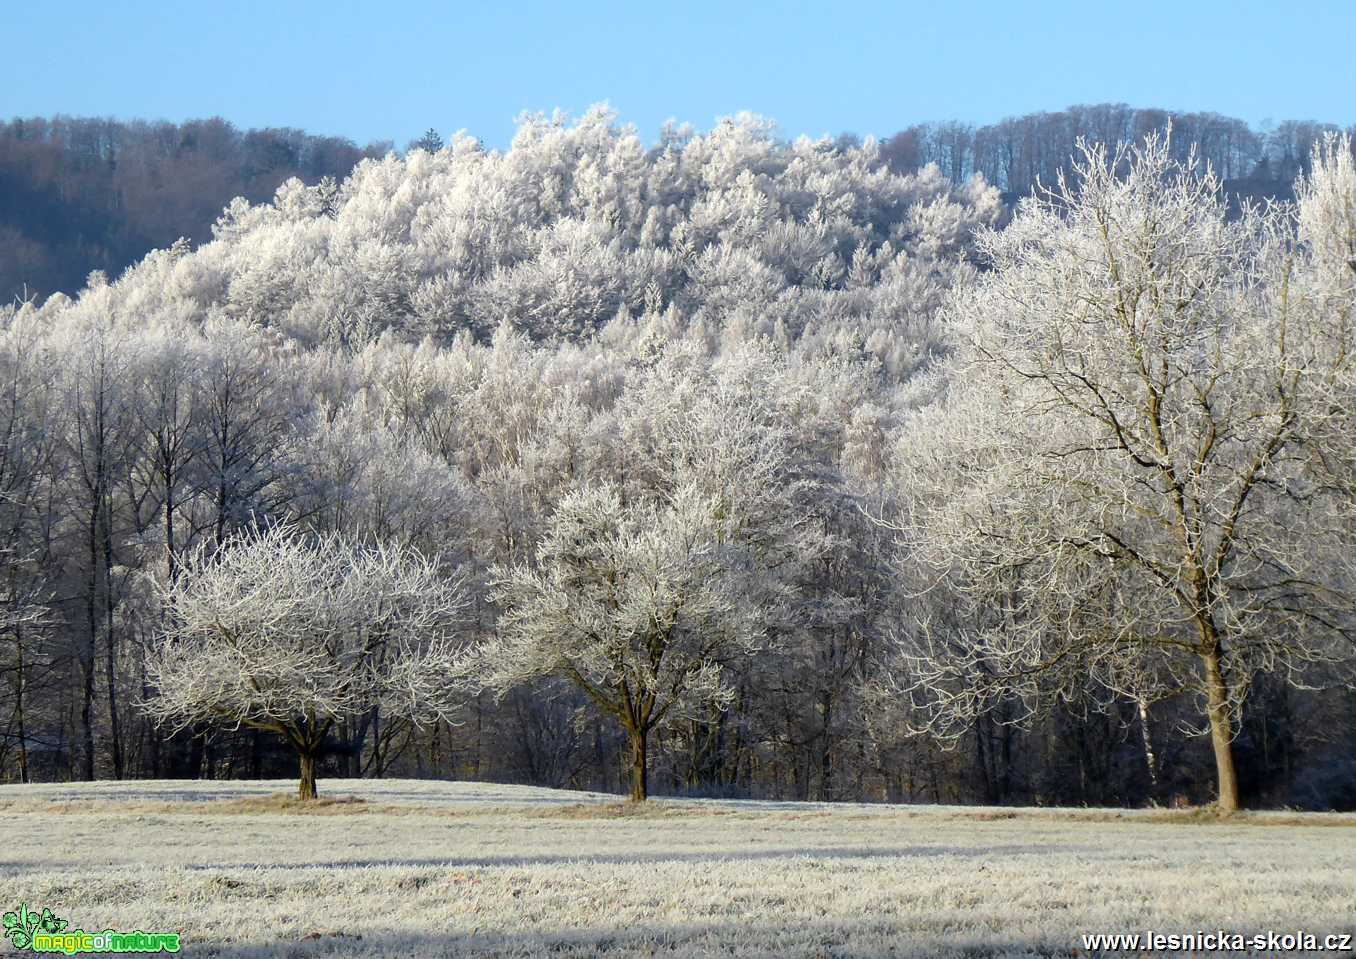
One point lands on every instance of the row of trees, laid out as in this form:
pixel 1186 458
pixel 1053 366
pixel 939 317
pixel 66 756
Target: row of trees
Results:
pixel 1019 152
pixel 436 354
pixel 726 466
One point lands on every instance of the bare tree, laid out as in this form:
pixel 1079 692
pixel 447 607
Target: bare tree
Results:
pixel 1117 486
pixel 291 634
pixel 96 439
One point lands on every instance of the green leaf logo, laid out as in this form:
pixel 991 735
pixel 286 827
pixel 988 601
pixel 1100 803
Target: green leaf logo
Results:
pixel 20 926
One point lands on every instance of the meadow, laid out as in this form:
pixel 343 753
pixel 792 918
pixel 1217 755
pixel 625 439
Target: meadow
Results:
pixel 420 868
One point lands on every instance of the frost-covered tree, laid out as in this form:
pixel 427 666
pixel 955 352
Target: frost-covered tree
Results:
pixel 1327 228
pixel 96 446
pixel 651 588
pixel 290 633
pixel 29 411
pixel 1117 484
pixel 638 605
pixel 577 221
pixel 249 410
pixel 169 419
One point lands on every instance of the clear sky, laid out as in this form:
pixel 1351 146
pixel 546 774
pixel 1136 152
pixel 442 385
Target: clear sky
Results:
pixel 389 70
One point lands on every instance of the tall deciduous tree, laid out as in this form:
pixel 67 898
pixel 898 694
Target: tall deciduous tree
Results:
pixel 1118 481
pixel 28 411
pixel 97 438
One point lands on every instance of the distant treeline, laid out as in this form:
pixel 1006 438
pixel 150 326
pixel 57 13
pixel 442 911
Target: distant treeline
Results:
pixel 81 194
pixel 1016 153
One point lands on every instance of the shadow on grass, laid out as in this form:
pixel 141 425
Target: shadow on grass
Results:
pixel 713 856
pixel 838 853
pixel 857 938
pixel 427 792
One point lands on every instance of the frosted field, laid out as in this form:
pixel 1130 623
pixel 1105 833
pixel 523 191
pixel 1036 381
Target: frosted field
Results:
pixel 443 869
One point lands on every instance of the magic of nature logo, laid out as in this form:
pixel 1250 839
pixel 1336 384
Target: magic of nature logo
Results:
pixel 32 930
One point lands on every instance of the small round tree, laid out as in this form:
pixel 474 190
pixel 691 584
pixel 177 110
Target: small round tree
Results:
pixel 291 633
pixel 636 605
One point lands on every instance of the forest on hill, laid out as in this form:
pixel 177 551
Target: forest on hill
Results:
pixel 80 194
pixel 723 465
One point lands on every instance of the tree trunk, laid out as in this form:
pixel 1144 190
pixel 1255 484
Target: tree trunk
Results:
pixel 1004 784
pixel 356 740
pixel 114 722
pixel 111 663
pixel 19 703
pixel 640 787
pixel 378 754
pixel 306 788
pixel 1221 731
pixel 825 748
pixel 152 734
pixel 694 755
pixel 209 757
pixel 983 748
pixel 256 758
pixel 195 746
pixel 87 717
pixel 480 729
pixel 89 652
pixel 1146 732
pixel 171 566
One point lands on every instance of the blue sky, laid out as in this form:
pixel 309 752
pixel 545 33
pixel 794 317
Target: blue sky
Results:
pixel 390 70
